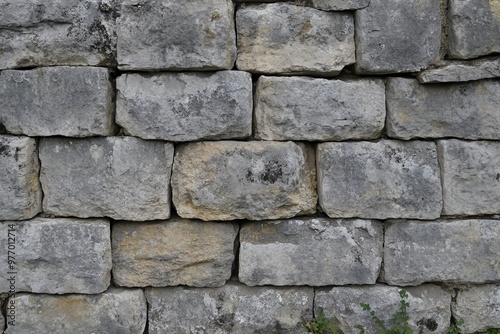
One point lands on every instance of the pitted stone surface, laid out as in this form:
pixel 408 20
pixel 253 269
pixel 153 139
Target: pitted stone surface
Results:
pixel 173 252
pixel 459 71
pixel 244 180
pixel 479 306
pixel 285 38
pixel 186 106
pixel 387 179
pixel 312 252
pixel 300 108
pixel 51 101
pixel 118 177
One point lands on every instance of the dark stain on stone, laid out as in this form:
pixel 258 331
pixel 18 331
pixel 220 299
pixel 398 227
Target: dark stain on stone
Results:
pixel 3 129
pixel 430 324
pixel 498 174
pixel 272 173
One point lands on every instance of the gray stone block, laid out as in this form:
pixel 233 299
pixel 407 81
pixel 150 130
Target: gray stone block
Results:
pixel 312 252
pixel 300 108
pixel 450 251
pixel 186 106
pixel 57 255
pixel 285 38
pixel 233 308
pixel 244 180
pixel 122 178
pixel 328 5
pixel 479 307
pixel 387 179
pixel 20 192
pixel 395 36
pixel 173 35
pixel 464 110
pixel 51 101
pixel 173 252
pixel 459 71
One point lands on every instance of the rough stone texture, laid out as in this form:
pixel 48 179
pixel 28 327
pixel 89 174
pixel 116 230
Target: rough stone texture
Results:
pixel 285 38
pixel 300 108
pixel 244 180
pixel 232 308
pixel 20 193
pixel 471 177
pixel 119 177
pixel 395 36
pixel 43 33
pixel 186 106
pixel 387 179
pixel 456 251
pixel 473 28
pixel 176 35
pixel 479 306
pixel 429 310
pixel 57 255
pixel 50 101
pixel 459 71
pixel 173 252
pixel 464 110
pixel 312 252
pixel 328 5
pixel 115 311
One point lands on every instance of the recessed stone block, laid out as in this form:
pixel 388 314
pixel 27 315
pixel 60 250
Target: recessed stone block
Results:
pixel 459 71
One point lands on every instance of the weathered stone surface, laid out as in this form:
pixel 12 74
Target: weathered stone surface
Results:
pixel 395 36
pixel 312 252
pixel 233 308
pixel 43 33
pixel 115 311
pixel 57 255
pixel 119 177
pixel 285 38
pixel 471 177
pixel 244 180
pixel 429 310
pixel 473 28
pixel 479 306
pixel 459 71
pixel 50 101
pixel 387 179
pixel 457 251
pixel 173 252
pixel 186 106
pixel 334 5
pixel 466 110
pixel 20 193
pixel 173 35
pixel 300 108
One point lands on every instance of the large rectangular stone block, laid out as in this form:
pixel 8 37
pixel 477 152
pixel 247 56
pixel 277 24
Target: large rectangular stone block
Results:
pixel 51 101
pixel 459 71
pixel 244 180
pixel 56 255
pixel 118 177
pixel 479 307
pixel 456 251
pixel 387 179
pixel 312 252
pixel 186 106
pixel 173 252
pixel 300 108
pixel 328 5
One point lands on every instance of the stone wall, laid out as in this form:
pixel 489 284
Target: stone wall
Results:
pixel 206 166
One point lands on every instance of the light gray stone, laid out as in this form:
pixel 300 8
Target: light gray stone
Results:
pixel 186 106
pixel 471 177
pixel 451 251
pixel 62 255
pixel 300 108
pixel 479 307
pixel 429 310
pixel 20 192
pixel 312 252
pixel 395 36
pixel 233 308
pixel 328 5
pixel 387 179
pixel 464 110
pixel 118 177
pixel 115 311
pixel 289 39
pixel 459 71
pixel 176 35
pixel 244 180
pixel 173 252
pixel 44 33
pixel 50 101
